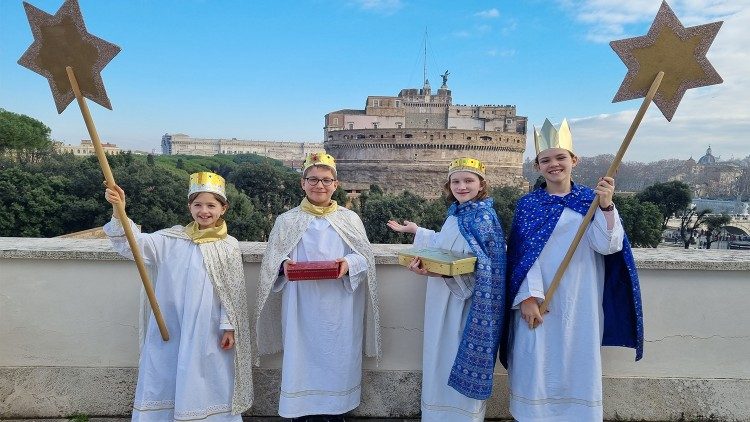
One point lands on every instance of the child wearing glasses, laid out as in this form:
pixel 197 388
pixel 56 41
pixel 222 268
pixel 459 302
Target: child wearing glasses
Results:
pixel 323 326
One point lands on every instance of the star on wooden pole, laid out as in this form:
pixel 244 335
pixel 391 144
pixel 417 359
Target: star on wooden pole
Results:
pixel 669 47
pixel 72 60
pixel 62 40
pixel 662 65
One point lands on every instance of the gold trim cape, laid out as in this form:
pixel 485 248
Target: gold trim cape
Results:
pixel 284 237
pixel 223 262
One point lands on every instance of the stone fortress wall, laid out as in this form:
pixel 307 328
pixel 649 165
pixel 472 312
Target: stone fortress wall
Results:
pixel 407 142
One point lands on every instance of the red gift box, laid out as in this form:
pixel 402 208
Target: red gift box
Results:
pixel 313 270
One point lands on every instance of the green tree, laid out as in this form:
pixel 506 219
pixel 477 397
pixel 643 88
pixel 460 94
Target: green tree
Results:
pixel 671 198
pixel 714 224
pixel 27 137
pixel 690 220
pixel 380 208
pixel 505 198
pixel 244 222
pixel 642 221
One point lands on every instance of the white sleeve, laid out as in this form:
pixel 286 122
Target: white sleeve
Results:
pixel 603 240
pixel 116 234
pixel 461 285
pixel 357 271
pixel 224 323
pixel 424 238
pixel 532 286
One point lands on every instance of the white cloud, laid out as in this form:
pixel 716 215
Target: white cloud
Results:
pixel 718 115
pixel 381 6
pixel 609 19
pixel 501 52
pixel 488 14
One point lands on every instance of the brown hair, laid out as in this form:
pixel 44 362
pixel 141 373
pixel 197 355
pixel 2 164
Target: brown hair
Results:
pixel 536 159
pixel 218 197
pixel 484 192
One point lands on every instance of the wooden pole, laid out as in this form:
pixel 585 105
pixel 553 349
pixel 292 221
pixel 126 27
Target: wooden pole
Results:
pixel 119 208
pixel 611 172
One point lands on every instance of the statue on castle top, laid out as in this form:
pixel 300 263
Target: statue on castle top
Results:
pixel 445 79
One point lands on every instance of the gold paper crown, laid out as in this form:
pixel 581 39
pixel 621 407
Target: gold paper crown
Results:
pixel 319 159
pixel 206 181
pixel 549 137
pixel 466 164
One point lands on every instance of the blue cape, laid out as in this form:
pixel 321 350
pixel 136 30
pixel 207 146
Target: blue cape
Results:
pixel 471 374
pixel 536 215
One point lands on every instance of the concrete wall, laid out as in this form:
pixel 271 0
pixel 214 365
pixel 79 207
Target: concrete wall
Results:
pixel 68 336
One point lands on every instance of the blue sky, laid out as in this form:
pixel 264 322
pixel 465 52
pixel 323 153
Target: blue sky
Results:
pixel 271 70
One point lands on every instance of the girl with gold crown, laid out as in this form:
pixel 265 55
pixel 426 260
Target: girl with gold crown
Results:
pixel 464 313
pixel 204 371
pixel 323 326
pixel 554 360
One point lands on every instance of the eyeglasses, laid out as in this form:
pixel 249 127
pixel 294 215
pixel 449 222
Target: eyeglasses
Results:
pixel 313 181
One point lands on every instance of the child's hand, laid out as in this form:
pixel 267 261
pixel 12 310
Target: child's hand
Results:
pixel 416 266
pixel 115 196
pixel 343 267
pixel 530 312
pixel 605 189
pixel 227 340
pixel 286 265
pixel 407 227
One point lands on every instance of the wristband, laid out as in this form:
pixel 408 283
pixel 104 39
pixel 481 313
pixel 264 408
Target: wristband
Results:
pixel 611 207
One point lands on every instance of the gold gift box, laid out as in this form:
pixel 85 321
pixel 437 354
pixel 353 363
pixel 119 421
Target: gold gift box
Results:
pixel 439 261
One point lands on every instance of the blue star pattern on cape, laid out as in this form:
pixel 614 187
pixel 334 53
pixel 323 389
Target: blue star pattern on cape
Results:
pixel 536 215
pixel 471 374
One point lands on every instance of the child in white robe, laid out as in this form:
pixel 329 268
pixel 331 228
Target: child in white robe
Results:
pixel 554 360
pixel 449 300
pixel 203 372
pixel 323 326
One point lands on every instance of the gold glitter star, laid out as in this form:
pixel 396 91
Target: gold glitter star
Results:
pixel 62 40
pixel 670 47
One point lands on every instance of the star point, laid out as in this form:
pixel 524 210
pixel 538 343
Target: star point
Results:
pixel 62 40
pixel 669 47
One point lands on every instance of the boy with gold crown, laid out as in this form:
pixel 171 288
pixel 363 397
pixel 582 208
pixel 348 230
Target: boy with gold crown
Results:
pixel 323 326
pixel 204 371
pixel 463 315
pixel 554 360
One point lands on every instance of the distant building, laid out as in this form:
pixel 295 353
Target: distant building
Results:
pixel 86 148
pixel 406 142
pixel 290 152
pixel 717 206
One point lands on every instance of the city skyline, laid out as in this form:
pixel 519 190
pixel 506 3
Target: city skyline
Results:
pixel 233 69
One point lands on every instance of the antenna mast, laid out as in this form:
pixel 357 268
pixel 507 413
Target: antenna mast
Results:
pixel 424 73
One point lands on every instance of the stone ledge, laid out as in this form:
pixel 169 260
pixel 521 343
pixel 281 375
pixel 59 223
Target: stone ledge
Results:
pixel 665 258
pixel 48 392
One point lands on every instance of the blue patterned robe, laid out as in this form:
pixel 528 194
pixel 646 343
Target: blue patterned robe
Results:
pixel 536 216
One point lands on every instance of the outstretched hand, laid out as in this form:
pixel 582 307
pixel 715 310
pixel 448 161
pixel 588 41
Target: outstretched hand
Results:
pixel 407 227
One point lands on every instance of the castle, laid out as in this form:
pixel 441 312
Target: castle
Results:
pixel 407 142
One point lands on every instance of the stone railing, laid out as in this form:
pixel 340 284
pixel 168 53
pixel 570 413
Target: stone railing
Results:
pixel 68 336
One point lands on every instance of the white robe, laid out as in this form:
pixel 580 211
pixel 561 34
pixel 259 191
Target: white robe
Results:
pixel 447 304
pixel 188 377
pixel 555 370
pixel 322 329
